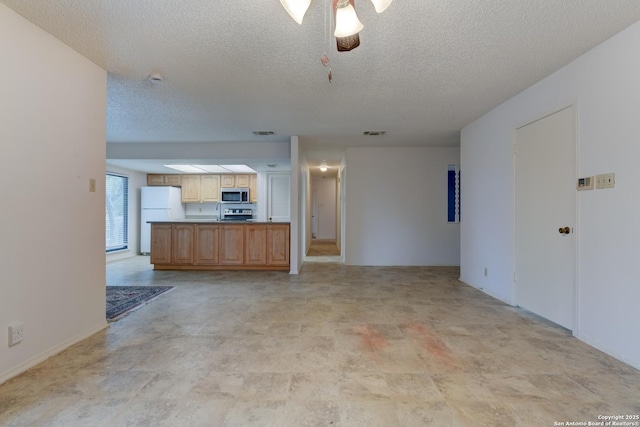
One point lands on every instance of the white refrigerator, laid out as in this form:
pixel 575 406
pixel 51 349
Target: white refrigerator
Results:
pixel 158 204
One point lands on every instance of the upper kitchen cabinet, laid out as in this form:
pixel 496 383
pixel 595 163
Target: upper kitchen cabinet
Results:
pixel 191 189
pixel 159 179
pixel 236 181
pixel 210 188
pixel 200 188
pixel 253 188
pixel 242 181
pixel 227 181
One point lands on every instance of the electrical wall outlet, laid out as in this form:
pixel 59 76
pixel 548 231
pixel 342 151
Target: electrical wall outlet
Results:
pixel 16 333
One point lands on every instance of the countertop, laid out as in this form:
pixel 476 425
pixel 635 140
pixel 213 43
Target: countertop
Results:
pixel 213 221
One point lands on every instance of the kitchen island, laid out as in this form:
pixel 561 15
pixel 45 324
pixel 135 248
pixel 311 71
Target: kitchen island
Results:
pixel 219 245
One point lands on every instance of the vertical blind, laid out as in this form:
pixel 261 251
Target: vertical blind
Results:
pixel 117 218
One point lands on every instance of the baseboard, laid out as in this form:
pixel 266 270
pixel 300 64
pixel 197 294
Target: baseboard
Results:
pixel 33 361
pixel 584 338
pixel 603 348
pixel 499 297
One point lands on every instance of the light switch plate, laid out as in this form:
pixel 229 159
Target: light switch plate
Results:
pixel 607 180
pixel 92 185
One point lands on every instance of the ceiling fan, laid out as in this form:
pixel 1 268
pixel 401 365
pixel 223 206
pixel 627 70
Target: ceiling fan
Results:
pixel 347 24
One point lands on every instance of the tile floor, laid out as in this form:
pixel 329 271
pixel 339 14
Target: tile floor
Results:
pixel 333 346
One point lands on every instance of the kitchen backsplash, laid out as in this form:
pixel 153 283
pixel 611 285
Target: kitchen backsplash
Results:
pixel 212 210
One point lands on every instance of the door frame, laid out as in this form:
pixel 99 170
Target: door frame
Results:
pixel 576 229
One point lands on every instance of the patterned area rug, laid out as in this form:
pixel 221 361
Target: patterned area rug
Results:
pixel 122 300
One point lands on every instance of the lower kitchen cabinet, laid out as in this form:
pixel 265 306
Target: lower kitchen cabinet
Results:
pixel 255 244
pixel 232 244
pixel 161 243
pixel 278 244
pixel 183 239
pixel 207 244
pixel 216 246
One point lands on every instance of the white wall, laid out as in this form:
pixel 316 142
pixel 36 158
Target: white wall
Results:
pixel 396 207
pixel 306 205
pixel 52 250
pixel 235 151
pixel 339 201
pixel 604 86
pixel 296 253
pixel 136 181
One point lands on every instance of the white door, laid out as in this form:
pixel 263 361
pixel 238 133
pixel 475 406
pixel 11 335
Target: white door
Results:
pixel 545 198
pixel 278 197
pixel 326 212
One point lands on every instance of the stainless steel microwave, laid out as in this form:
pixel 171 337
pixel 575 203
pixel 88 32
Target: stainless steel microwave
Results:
pixel 234 195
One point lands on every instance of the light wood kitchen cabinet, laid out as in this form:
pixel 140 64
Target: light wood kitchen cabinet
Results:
pixel 242 181
pixel 200 188
pixel 253 188
pixel 232 244
pixel 227 181
pixel 237 181
pixel 191 188
pixel 174 180
pixel 220 246
pixel 161 243
pixel 255 244
pixel 183 238
pixel 277 244
pixel 207 244
pixel 210 188
pixel 154 179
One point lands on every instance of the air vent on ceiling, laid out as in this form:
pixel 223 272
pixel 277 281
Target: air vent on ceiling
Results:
pixel 263 132
pixel 272 165
pixel 374 132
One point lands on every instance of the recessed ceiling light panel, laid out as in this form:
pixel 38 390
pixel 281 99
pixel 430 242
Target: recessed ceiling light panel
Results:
pixel 238 168
pixel 185 168
pixel 212 168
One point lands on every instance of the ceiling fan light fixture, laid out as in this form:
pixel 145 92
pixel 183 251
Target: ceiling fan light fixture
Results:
pixel 381 5
pixel 296 8
pixel 347 22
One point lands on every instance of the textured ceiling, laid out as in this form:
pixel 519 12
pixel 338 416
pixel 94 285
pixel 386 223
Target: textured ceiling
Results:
pixel 424 70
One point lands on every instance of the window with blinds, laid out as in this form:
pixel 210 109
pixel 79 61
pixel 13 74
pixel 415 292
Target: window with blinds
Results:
pixel 117 207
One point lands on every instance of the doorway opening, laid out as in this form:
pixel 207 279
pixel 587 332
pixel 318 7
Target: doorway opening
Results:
pixel 324 245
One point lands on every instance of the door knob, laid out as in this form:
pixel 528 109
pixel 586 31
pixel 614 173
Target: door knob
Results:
pixel 564 230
